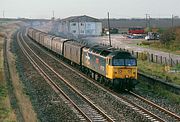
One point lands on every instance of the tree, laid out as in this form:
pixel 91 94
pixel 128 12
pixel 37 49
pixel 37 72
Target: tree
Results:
pixel 168 36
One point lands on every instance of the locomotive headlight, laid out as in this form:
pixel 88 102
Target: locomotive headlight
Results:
pixel 120 71
pixel 129 71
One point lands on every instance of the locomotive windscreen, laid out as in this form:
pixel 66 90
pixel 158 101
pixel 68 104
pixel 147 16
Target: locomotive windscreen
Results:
pixel 124 62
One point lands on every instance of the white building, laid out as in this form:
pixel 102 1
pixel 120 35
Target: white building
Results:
pixel 81 26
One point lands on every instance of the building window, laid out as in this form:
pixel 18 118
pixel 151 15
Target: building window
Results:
pixel 82 31
pixel 74 24
pixel 82 24
pixel 74 31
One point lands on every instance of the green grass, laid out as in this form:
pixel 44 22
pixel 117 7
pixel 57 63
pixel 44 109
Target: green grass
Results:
pixel 159 92
pixel 158 71
pixel 6 112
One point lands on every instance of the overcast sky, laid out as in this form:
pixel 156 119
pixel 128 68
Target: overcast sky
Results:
pixel 95 8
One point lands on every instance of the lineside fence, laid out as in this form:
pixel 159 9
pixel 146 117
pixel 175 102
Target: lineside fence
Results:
pixel 152 57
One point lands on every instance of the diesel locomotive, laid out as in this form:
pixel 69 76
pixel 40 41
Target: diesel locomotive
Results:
pixel 112 67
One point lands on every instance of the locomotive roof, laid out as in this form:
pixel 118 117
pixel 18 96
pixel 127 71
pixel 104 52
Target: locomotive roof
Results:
pixel 100 49
pixel 109 51
pixel 120 54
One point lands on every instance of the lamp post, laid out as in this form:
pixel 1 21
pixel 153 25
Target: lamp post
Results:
pixel 109 31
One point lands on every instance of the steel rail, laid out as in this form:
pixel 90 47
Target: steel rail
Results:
pixel 73 88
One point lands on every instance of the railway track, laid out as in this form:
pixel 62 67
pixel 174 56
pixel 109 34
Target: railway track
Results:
pixel 87 110
pixel 169 115
pixel 128 101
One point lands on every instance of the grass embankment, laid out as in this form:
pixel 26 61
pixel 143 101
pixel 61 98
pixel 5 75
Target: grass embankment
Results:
pixel 159 92
pixel 6 113
pixel 19 104
pixel 158 71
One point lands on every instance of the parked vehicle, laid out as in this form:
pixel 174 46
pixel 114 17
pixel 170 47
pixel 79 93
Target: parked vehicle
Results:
pixel 136 30
pixel 152 36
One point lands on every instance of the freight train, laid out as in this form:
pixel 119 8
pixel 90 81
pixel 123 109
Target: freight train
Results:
pixel 115 68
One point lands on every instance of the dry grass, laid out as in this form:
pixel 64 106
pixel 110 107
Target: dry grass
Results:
pixel 24 102
pixel 6 113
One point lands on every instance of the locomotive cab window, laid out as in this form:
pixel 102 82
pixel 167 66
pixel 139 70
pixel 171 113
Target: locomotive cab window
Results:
pixel 130 62
pixel 124 62
pixel 118 62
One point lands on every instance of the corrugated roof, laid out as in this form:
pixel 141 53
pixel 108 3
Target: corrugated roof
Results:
pixel 81 19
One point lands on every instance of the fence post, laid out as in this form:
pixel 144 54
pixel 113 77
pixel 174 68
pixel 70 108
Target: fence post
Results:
pixel 151 57
pixel 171 62
pixel 132 52
pixel 156 59
pixel 177 62
pixel 161 59
pixel 165 61
pixel 136 54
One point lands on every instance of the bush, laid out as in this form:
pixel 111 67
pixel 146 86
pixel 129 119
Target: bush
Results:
pixel 146 42
pixel 168 36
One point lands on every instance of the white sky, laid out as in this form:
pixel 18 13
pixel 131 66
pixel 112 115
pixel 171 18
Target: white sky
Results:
pixel 95 8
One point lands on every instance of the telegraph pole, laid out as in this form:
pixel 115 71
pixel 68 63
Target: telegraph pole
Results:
pixel 53 13
pixel 172 21
pixel 146 20
pixel 109 31
pixel 149 21
pixel 3 13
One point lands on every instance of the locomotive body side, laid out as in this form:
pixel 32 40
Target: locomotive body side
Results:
pixel 94 61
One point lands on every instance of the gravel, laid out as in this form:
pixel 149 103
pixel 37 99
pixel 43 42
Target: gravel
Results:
pixel 41 94
pixel 107 102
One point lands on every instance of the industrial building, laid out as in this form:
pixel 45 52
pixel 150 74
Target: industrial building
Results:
pixel 81 26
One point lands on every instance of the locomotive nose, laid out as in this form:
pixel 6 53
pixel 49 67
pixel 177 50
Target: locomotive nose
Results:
pixel 126 72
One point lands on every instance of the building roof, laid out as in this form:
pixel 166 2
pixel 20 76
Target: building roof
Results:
pixel 81 19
